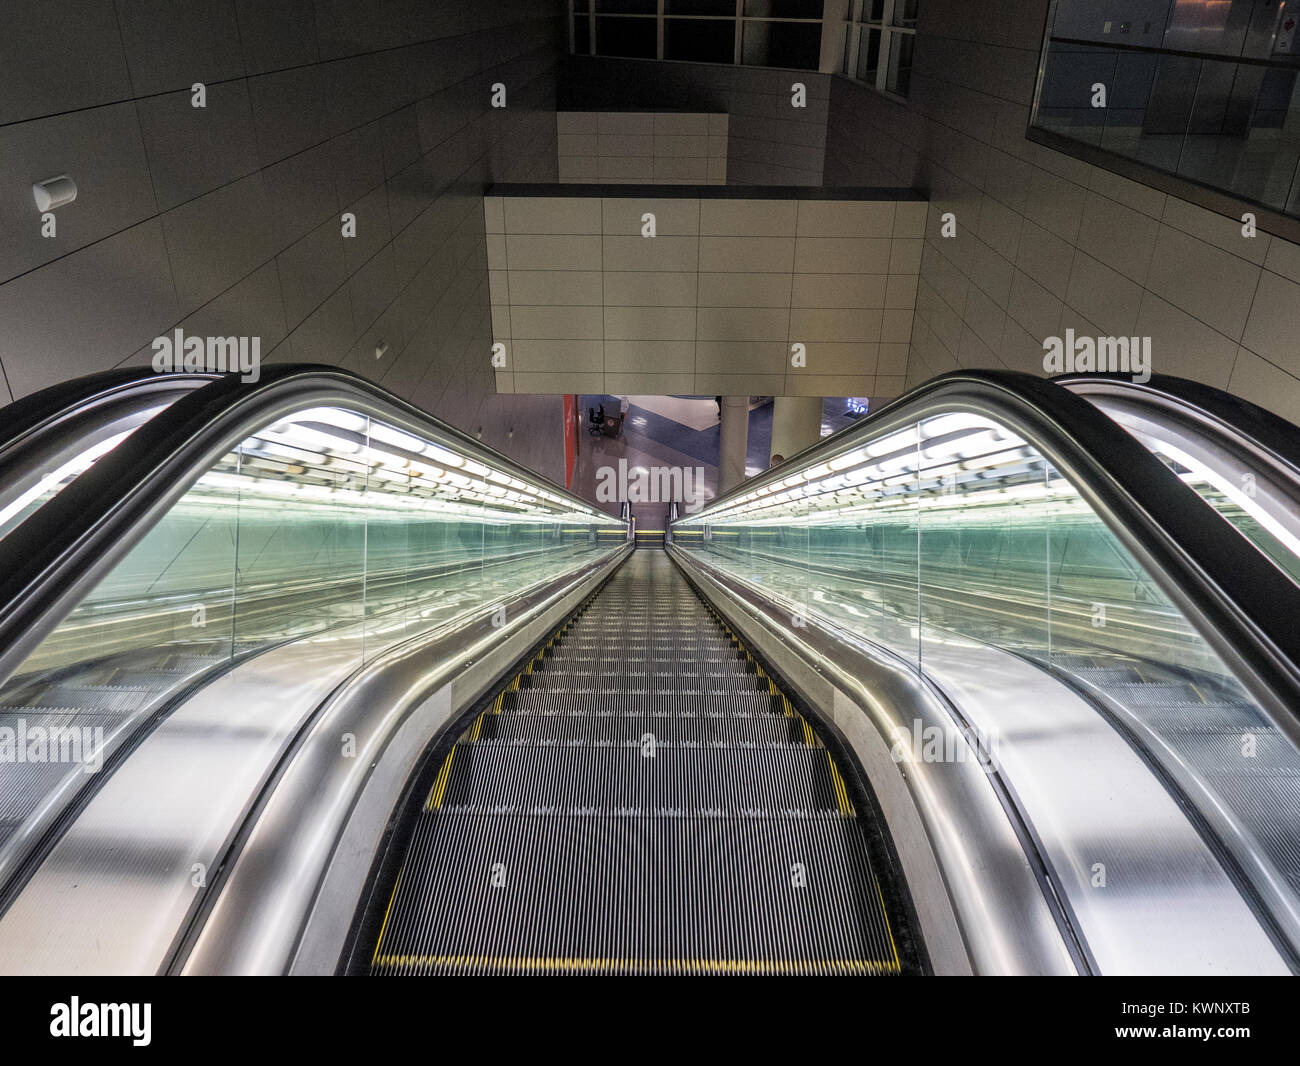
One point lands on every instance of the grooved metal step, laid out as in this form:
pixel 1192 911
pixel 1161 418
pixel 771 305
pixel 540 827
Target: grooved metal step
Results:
pixel 629 896
pixel 567 727
pixel 747 702
pixel 683 780
pixel 641 799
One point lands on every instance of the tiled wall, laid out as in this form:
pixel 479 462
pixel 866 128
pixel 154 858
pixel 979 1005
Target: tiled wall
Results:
pixel 712 303
pixel 665 148
pixel 1046 242
pixel 770 142
pixel 227 219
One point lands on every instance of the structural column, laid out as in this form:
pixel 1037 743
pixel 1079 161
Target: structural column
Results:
pixel 796 424
pixel 735 439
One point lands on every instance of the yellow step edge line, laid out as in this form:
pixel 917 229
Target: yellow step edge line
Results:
pixel 841 791
pixel 478 728
pixel 898 966
pixel 727 966
pixel 808 737
pixel 440 784
pixel 387 911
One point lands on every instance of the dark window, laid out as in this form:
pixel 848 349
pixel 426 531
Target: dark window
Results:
pixel 900 62
pixel 700 7
pixel 879 44
pixel 771 33
pixel 784 9
pixel 634 38
pixel 869 56
pixel 626 7
pixel 581 35
pixel 782 44
pixel 700 40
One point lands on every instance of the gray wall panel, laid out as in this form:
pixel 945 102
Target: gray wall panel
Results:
pixel 226 220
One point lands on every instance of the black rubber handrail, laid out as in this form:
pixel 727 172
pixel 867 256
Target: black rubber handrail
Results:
pixel 50 559
pixel 1239 600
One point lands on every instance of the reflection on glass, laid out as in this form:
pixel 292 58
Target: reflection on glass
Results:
pixel 326 526
pixel 781 44
pixel 957 529
pixel 901 46
pixel 1210 98
pixel 869 56
pixel 905 12
pixel 1250 507
pixel 17 508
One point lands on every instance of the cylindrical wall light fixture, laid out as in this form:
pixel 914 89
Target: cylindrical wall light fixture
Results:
pixel 54 192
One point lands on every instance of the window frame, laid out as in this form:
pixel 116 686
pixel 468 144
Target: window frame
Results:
pixel 738 18
pixel 858 22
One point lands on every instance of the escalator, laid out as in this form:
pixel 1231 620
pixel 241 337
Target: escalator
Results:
pixel 375 699
pixel 642 798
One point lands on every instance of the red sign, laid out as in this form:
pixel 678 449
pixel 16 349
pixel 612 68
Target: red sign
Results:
pixel 570 438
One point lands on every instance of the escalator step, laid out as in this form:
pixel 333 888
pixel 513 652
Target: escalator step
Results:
pixel 26 784
pixel 1187 717
pixel 556 894
pixel 102 699
pixel 648 802
pixel 680 780
pixel 1158 694
pixel 632 728
pixel 743 704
